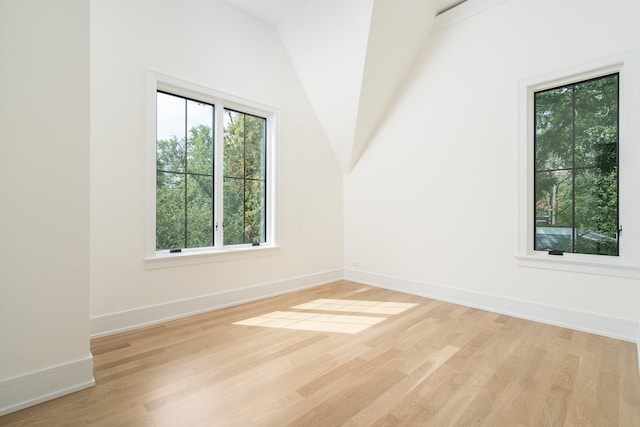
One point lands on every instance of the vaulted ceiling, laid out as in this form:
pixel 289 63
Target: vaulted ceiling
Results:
pixel 350 56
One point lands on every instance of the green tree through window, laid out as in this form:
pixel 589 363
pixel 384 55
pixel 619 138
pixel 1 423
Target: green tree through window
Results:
pixel 576 167
pixel 186 177
pixel 244 178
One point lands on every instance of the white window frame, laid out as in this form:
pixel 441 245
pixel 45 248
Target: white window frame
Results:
pixel 163 258
pixel 627 263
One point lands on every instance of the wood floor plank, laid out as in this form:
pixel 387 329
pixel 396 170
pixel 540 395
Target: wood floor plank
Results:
pixel 434 364
pixel 629 402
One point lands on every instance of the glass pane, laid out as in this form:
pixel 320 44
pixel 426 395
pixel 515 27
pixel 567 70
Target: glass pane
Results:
pixel 254 148
pixel 554 211
pixel 554 129
pixel 596 212
pixel 199 211
pixel 170 133
pixel 233 144
pixel 233 211
pixel 597 122
pixel 244 184
pixel 254 228
pixel 170 218
pixel 200 138
pixel 576 179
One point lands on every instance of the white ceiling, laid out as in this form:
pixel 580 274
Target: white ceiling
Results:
pixel 274 11
pixel 271 11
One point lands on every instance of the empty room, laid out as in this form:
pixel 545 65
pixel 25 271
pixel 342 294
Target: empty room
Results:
pixel 319 212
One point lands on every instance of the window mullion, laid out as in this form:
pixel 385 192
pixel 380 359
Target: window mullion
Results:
pixel 218 176
pixel 573 170
pixel 618 222
pixel 244 180
pixel 186 174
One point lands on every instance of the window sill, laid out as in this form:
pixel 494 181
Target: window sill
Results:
pixel 166 260
pixel 613 266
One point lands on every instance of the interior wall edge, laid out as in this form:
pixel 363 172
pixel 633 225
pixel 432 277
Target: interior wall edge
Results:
pixel 594 323
pixel 108 324
pixel 37 387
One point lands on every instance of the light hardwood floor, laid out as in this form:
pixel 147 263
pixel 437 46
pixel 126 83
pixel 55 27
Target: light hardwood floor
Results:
pixel 434 364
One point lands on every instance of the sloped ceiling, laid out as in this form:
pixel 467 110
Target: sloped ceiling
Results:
pixel 351 57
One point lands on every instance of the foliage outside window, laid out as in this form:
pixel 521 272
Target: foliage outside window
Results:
pixel 576 167
pixel 191 210
pixel 244 178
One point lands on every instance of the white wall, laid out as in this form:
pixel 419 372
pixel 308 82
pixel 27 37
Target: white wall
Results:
pixel 434 199
pixel 211 44
pixel 44 197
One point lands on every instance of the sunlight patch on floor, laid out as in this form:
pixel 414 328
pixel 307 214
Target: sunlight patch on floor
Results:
pixel 313 321
pixel 325 322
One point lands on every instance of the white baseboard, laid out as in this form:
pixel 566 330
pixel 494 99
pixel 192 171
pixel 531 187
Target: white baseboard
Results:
pixel 37 387
pixel 623 329
pixel 132 319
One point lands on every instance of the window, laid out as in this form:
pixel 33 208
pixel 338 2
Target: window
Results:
pixel 184 173
pixel 244 178
pixel 576 167
pixel 578 194
pixel 213 173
